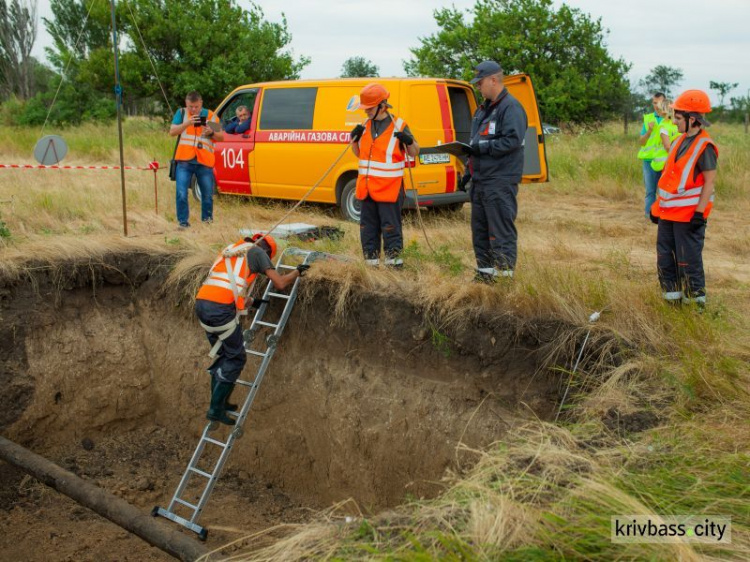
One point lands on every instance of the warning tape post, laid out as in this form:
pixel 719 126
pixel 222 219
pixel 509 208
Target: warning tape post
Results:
pixel 152 167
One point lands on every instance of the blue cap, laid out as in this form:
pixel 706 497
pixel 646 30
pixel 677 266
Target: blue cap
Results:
pixel 485 69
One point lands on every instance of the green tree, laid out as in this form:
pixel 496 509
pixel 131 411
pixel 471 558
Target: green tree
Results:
pixel 562 49
pixel 664 79
pixel 722 89
pixel 207 45
pixel 356 67
pixel 17 37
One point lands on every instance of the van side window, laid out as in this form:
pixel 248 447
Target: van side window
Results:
pixel 288 108
pixel 461 114
pixel 229 111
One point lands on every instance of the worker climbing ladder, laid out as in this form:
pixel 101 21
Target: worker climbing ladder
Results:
pixel 210 476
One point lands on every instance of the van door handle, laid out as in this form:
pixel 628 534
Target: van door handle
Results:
pixel 426 182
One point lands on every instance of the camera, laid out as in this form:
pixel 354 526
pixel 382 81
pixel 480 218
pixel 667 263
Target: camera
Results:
pixel 203 120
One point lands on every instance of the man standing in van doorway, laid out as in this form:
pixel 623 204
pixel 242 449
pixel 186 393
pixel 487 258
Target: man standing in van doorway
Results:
pixel 381 146
pixel 195 156
pixel 495 166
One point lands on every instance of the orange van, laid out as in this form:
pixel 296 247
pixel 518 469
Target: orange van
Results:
pixel 298 129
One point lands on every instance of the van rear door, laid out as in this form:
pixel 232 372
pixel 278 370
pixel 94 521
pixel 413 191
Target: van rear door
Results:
pixel 535 156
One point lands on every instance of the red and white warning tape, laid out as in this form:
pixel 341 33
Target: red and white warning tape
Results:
pixel 152 166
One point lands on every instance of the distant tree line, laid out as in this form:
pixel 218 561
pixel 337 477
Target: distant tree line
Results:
pixel 169 47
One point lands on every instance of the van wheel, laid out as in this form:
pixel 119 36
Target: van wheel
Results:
pixel 197 190
pixel 351 207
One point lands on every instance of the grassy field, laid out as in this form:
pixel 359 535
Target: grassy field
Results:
pixel 548 492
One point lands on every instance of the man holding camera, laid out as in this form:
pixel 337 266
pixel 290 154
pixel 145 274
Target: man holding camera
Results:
pixel 198 129
pixel 495 168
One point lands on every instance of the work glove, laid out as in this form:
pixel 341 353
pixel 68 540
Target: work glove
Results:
pixel 463 181
pixel 654 218
pixel 697 221
pixel 258 302
pixel 479 147
pixel 302 268
pixel 357 132
pixel 404 138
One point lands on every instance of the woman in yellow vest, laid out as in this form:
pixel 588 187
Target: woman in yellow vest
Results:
pixel 381 146
pixel 219 304
pixel 685 199
pixel 650 142
pixel 668 133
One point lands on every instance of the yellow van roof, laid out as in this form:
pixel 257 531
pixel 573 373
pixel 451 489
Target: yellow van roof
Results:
pixel 350 80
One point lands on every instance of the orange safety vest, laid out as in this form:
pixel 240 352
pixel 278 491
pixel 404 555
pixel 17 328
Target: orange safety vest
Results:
pixel 192 145
pixel 229 279
pixel 679 190
pixel 381 164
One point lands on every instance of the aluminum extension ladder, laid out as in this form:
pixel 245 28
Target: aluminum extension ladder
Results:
pixel 211 476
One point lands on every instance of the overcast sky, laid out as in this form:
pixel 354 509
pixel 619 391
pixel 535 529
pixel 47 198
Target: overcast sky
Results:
pixel 707 40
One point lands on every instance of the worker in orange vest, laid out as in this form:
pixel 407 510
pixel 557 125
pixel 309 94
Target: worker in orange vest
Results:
pixel 194 156
pixel 684 200
pixel 381 146
pixel 221 301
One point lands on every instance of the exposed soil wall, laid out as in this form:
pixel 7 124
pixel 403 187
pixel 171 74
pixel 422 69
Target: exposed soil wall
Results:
pixel 371 406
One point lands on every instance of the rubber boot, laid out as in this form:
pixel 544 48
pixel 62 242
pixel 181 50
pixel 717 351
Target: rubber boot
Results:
pixel 228 407
pixel 217 410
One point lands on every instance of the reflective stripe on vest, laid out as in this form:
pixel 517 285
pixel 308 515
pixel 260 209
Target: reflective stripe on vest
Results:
pixel 192 145
pixel 228 280
pixel 660 157
pixel 381 164
pixel 679 191
pixel 648 151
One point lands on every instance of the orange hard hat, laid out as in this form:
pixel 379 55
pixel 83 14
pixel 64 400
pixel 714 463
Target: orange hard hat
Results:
pixel 371 95
pixel 269 240
pixel 692 101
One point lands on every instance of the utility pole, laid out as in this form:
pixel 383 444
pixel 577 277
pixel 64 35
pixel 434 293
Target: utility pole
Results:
pixel 118 98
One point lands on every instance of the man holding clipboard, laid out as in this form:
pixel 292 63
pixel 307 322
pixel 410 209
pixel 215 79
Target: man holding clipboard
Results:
pixel 495 168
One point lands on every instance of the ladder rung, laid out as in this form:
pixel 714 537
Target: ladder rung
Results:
pixel 257 353
pixel 188 504
pixel 269 324
pixel 278 295
pixel 215 442
pixel 204 474
pixel 245 383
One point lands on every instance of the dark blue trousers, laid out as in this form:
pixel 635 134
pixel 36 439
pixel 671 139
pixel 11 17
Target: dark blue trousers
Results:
pixel 232 357
pixel 381 220
pixel 679 258
pixel 493 230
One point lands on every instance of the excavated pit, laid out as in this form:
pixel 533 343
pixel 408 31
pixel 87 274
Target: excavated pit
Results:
pixel 103 372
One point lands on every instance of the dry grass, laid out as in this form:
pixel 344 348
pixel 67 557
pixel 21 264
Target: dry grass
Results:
pixel 584 246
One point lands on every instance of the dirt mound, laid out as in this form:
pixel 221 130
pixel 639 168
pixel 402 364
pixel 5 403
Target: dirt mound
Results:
pixel 106 376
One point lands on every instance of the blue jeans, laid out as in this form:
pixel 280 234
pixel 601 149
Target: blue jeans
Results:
pixel 205 176
pixel 650 180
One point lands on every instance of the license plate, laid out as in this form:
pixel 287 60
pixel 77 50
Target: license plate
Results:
pixel 434 158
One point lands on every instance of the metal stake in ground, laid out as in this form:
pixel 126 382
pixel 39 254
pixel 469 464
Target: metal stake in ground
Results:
pixel 593 318
pixel 118 102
